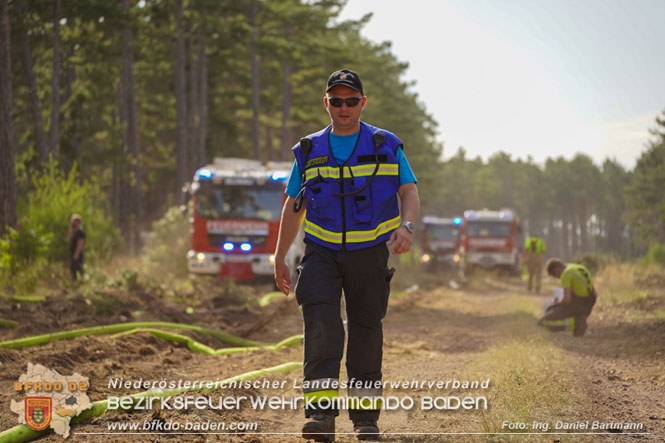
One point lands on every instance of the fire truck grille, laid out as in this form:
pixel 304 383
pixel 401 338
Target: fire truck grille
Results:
pixel 216 240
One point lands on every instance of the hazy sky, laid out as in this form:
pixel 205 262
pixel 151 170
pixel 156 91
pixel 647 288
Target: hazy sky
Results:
pixel 538 77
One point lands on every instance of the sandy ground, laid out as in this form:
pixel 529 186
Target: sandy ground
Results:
pixel 433 333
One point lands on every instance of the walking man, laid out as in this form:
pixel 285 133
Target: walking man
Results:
pixel 349 177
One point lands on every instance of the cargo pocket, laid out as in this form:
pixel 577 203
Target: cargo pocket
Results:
pixel 318 198
pixel 362 202
pixel 388 274
pixel 297 290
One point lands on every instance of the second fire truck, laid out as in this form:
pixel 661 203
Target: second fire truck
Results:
pixel 235 221
pixel 491 239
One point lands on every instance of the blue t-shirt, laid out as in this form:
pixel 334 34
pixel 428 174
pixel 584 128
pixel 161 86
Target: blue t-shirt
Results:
pixel 342 147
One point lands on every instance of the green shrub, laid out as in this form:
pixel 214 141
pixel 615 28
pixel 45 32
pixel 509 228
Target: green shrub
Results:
pixel 40 273
pixel 50 204
pixel 128 279
pixel 166 250
pixel 21 247
pixel 595 261
pixel 656 254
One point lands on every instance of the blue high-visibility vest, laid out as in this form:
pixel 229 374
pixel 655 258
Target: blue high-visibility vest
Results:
pixel 359 219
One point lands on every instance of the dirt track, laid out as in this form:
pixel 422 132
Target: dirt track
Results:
pixel 615 373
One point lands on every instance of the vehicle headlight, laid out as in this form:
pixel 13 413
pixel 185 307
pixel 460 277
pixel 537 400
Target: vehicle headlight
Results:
pixel 200 257
pixel 425 258
pixel 271 259
pixel 191 254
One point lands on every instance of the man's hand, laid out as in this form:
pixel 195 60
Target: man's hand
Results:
pixel 567 296
pixel 400 241
pixel 283 276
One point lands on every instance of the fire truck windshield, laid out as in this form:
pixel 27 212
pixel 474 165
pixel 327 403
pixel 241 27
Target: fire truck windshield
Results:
pixel 441 232
pixel 487 229
pixel 240 202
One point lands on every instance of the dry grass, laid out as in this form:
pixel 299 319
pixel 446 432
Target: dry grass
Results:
pixel 633 292
pixel 531 378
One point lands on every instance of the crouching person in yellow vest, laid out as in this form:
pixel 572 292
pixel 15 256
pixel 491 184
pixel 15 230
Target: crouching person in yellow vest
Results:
pixel 534 249
pixel 579 297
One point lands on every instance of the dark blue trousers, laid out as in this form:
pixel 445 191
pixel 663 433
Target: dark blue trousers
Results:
pixel 364 277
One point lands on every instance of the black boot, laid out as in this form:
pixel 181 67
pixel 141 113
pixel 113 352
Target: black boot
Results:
pixel 319 427
pixel 366 430
pixel 580 326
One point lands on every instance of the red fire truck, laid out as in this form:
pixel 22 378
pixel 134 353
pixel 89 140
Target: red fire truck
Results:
pixel 491 238
pixel 439 241
pixel 235 219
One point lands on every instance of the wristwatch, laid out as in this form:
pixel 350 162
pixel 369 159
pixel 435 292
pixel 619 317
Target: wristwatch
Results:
pixel 409 226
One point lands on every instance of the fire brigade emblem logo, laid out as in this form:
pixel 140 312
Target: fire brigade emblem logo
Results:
pixel 38 412
pixel 342 76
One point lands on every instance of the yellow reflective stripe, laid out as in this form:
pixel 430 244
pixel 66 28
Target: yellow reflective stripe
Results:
pixel 319 232
pixel 567 322
pixel 356 171
pixel 360 236
pixel 321 395
pixel 325 172
pixel 320 384
pixel 365 403
pixel 384 169
pixel 351 236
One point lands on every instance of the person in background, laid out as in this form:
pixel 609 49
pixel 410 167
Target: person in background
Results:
pixel 534 249
pixel 579 297
pixel 76 239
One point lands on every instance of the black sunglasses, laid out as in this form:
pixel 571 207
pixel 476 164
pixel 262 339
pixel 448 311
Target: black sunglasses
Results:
pixel 350 102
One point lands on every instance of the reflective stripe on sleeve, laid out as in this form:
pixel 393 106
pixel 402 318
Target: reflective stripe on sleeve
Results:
pixel 580 278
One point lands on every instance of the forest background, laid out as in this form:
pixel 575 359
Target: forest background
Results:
pixel 108 107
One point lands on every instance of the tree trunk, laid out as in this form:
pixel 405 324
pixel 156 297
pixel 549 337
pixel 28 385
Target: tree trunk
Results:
pixel 181 151
pixel 122 171
pixel 574 233
pixel 35 107
pixel 254 58
pixel 565 248
pixel 73 135
pixel 613 231
pixel 115 175
pixel 132 134
pixel 269 145
pixel 582 220
pixel 7 177
pixel 192 123
pixel 285 148
pixel 552 245
pixel 55 84
pixel 203 99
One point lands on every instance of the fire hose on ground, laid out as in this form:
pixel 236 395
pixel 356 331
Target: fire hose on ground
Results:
pixel 121 327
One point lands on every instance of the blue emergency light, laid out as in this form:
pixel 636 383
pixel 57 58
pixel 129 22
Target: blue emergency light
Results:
pixel 228 246
pixel 204 173
pixel 457 221
pixel 245 247
pixel 279 175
